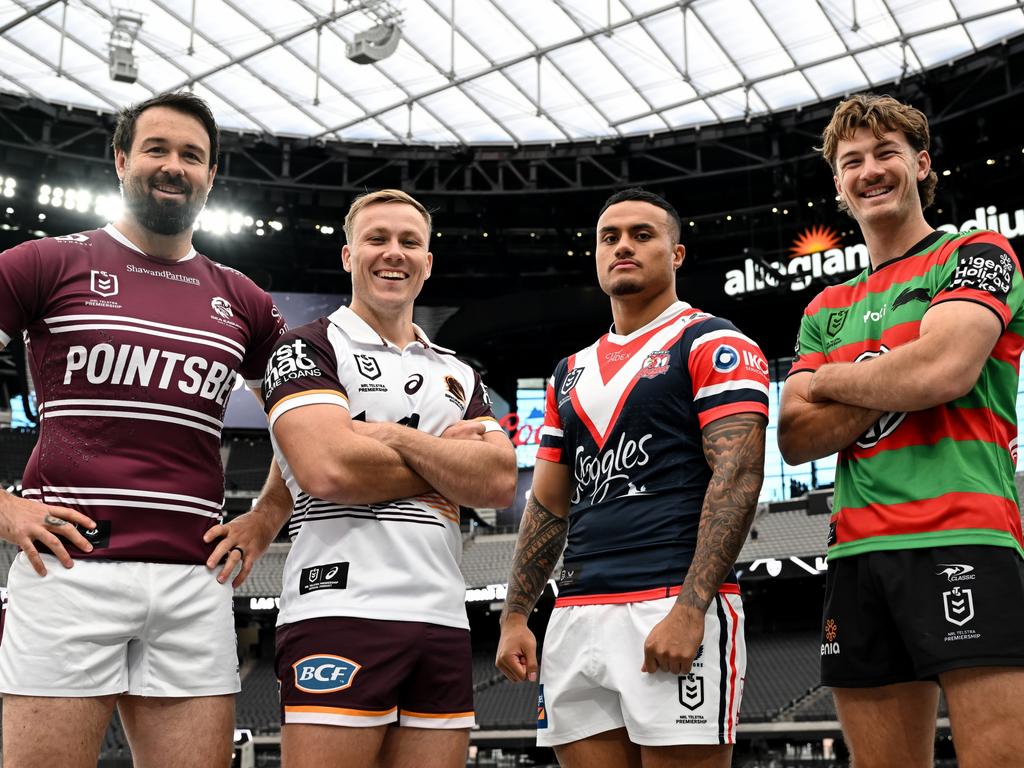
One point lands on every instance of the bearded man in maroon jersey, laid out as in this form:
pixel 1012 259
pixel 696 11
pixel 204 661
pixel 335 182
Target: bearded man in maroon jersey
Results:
pixel 134 340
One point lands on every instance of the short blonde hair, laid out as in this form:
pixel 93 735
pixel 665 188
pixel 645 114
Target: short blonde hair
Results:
pixel 379 197
pixel 880 114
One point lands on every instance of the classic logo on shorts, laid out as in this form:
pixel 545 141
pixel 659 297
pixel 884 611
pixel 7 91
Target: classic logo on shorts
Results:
pixel 958 605
pixel 691 691
pixel 324 673
pixel 367 365
pixel 956 572
pixel 725 359
pixel 103 283
pixel 655 364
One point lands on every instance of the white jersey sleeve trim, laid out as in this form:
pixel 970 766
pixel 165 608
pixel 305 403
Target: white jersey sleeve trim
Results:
pixel 297 401
pixel 4 339
pixel 725 333
pixel 730 386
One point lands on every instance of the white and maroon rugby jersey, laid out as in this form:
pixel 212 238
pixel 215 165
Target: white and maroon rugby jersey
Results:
pixel 397 560
pixel 626 414
pixel 133 360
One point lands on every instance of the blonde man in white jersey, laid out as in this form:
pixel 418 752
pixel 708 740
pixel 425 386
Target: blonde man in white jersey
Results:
pixel 380 435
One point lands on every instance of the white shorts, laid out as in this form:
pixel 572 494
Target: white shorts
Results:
pixel 104 627
pixel 591 680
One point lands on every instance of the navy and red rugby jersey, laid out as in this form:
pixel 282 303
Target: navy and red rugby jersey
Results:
pixel 133 361
pixel 626 414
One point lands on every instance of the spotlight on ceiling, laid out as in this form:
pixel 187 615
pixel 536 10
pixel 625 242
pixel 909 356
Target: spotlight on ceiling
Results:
pixel 382 39
pixel 124 68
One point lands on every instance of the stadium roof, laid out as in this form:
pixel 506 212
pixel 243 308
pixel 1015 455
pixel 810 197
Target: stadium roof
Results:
pixel 485 71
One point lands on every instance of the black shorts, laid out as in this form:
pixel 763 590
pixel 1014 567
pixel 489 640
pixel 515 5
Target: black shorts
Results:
pixel 894 617
pixel 367 672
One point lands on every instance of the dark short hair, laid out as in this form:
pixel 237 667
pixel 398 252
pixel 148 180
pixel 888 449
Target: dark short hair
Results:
pixel 180 101
pixel 642 195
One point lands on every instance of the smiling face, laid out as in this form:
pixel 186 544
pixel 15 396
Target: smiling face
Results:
pixel 388 257
pixel 636 250
pixel 877 177
pixel 166 175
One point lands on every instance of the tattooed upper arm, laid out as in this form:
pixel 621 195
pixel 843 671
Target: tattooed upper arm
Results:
pixel 734 447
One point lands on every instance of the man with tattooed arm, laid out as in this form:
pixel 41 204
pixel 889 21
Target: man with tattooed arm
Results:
pixel 651 461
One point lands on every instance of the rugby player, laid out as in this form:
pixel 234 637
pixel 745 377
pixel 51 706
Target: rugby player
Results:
pixel 134 342
pixel 650 465
pixel 909 371
pixel 380 435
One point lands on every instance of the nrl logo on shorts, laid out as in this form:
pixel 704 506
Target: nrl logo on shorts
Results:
pixel 691 691
pixel 367 365
pixel 103 283
pixel 655 364
pixel 958 605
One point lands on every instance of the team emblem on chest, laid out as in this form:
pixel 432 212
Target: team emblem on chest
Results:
pixel 103 283
pixel 368 366
pixel 655 364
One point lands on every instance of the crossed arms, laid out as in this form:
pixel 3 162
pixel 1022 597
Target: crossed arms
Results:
pixel 825 411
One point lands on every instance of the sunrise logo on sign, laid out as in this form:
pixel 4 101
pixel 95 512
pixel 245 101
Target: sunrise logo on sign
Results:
pixel 814 240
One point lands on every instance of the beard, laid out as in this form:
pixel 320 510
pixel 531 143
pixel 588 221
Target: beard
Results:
pixel 166 217
pixel 625 287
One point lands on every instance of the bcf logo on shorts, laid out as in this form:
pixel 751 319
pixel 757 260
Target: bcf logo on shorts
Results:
pixel 324 673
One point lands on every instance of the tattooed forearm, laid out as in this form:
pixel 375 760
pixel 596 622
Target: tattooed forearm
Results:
pixel 541 541
pixel 734 447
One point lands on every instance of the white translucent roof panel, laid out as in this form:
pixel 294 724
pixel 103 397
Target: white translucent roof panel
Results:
pixel 490 71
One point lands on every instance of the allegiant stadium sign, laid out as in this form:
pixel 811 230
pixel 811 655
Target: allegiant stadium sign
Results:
pixel 816 254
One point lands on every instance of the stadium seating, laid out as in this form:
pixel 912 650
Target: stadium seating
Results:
pixel 265 579
pixel 257 705
pixel 248 460
pixel 781 668
pixel 782 534
pixel 488 559
pixel 507 705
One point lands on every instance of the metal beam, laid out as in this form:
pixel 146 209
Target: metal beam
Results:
pixel 834 57
pixel 28 15
pixel 510 63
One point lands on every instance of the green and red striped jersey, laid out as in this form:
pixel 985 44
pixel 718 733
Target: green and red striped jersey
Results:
pixel 942 476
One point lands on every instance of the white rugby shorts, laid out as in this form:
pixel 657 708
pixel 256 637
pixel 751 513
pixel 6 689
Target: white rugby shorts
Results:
pixel 590 678
pixel 105 627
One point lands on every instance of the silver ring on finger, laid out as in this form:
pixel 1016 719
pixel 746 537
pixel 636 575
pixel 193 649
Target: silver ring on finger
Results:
pixel 54 521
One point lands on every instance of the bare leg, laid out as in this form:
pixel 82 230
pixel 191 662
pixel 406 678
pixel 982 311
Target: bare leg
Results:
pixel 424 748
pixel 986 715
pixel 891 726
pixel 611 749
pixel 330 746
pixel 690 756
pixel 179 732
pixel 43 731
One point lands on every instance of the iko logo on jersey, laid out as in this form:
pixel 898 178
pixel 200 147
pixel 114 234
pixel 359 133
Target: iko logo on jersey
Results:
pixel 597 474
pixel 134 365
pixel 290 361
pixel 956 572
pixel 327 576
pixel 103 283
pixel 725 359
pixel 324 673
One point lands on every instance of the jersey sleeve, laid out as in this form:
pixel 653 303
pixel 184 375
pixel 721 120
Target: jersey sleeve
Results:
pixel 22 298
pixel 809 352
pixel 984 270
pixel 268 328
pixel 552 437
pixel 480 407
pixel 302 370
pixel 728 371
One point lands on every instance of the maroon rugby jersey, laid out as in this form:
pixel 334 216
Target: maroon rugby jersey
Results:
pixel 133 361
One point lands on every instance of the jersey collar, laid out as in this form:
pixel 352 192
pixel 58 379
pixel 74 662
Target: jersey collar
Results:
pixel 115 233
pixel 672 309
pixel 360 331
